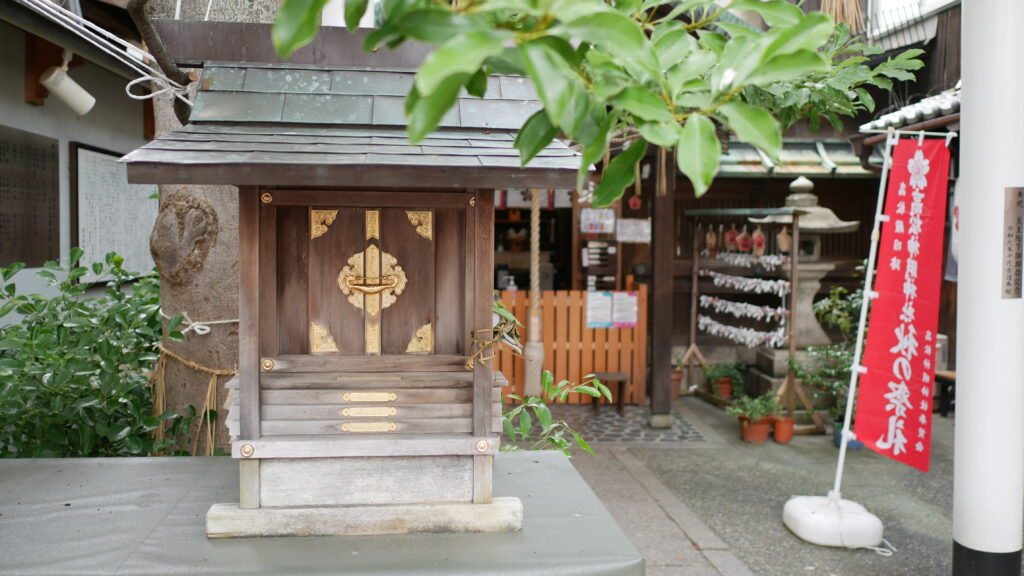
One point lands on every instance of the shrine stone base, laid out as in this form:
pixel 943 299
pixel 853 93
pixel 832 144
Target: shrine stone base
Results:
pixel 503 514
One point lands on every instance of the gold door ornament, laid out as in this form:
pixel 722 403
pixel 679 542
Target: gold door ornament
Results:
pixel 373 280
pixel 320 221
pixel 423 341
pixel 320 339
pixel 423 220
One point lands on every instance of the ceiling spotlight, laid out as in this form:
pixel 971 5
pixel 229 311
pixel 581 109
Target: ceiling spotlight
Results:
pixel 57 81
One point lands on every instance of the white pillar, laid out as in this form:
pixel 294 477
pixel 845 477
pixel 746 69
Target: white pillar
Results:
pixel 988 478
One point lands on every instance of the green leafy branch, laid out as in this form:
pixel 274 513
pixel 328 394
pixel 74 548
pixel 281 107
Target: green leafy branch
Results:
pixel 519 424
pixel 668 73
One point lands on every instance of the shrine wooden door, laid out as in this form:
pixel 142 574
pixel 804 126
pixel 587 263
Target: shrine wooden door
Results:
pixel 367 303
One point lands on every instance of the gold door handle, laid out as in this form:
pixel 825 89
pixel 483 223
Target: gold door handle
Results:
pixel 371 286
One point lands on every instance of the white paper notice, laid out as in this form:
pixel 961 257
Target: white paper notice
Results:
pixel 624 309
pixel 599 309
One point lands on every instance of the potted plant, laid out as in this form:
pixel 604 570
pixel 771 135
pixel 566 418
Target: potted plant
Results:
pixel 755 415
pixel 723 378
pixel 677 375
pixel 827 368
pixel 782 429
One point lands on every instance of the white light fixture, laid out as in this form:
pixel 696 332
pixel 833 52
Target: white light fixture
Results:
pixel 57 81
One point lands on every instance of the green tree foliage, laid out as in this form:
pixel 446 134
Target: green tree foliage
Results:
pixel 673 73
pixel 73 372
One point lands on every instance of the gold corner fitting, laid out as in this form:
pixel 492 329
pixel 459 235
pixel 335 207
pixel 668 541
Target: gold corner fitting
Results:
pixel 423 341
pixel 267 197
pixel 320 221
pixel 482 446
pixel 423 220
pixel 320 339
pixel 246 450
pixel 267 364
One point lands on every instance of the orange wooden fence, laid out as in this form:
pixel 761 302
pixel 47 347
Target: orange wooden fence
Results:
pixel 571 350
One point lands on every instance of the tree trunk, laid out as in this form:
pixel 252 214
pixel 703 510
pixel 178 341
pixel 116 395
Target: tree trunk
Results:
pixel 195 246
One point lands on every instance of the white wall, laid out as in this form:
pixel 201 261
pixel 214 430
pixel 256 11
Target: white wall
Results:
pixel 115 123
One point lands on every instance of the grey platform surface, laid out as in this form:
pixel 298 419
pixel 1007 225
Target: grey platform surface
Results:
pixel 146 516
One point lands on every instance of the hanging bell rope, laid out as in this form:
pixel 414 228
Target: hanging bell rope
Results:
pixel 846 12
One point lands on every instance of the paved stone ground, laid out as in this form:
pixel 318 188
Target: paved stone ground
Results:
pixel 714 506
pixel 631 426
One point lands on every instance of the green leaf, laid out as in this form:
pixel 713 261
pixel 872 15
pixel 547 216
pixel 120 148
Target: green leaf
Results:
pixel 435 26
pixel 580 441
pixel 544 417
pixel 619 174
pixel 737 31
pixel 712 41
pixel 11 270
pixel 354 10
pixel 510 430
pixel 463 54
pixel 775 12
pixel 664 134
pixel 477 85
pixel 754 126
pixel 133 444
pixel 699 152
pixel 811 33
pixel 643 104
pixel 673 47
pixel 296 25
pixel 788 67
pixel 617 34
pixel 557 83
pixel 75 256
pixel 426 112
pixel 866 99
pixel 694 66
pixel 525 423
pixel 536 133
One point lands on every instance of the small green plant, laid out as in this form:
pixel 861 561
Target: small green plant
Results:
pixel 827 370
pixel 74 370
pixel 714 372
pixel 557 434
pixel 753 407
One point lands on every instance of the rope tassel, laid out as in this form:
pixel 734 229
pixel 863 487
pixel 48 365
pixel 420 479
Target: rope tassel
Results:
pixel 157 381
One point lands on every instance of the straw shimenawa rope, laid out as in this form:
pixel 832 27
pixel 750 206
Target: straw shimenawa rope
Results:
pixel 156 380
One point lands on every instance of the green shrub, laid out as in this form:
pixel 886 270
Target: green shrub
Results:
pixel 74 371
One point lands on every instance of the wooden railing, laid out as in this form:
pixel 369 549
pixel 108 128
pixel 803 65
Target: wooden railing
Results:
pixel 571 350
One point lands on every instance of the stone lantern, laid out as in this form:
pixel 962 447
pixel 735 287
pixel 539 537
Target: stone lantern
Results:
pixel 817 220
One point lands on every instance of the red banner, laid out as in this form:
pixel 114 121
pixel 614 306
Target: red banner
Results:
pixel 894 405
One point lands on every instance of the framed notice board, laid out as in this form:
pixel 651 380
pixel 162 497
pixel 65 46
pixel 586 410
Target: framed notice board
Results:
pixel 107 213
pixel 29 197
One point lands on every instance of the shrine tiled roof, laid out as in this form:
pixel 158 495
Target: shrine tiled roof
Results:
pixel 287 124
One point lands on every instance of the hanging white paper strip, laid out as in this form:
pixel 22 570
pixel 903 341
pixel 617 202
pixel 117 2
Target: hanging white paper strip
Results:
pixel 769 262
pixel 743 309
pixel 746 336
pixel 743 284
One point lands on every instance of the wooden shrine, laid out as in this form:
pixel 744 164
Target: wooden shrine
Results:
pixel 366 272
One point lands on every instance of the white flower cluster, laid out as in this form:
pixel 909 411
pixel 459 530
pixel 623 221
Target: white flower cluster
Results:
pixel 769 262
pixel 743 309
pixel 743 284
pixel 746 336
